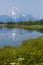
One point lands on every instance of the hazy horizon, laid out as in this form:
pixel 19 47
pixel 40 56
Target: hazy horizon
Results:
pixel 33 7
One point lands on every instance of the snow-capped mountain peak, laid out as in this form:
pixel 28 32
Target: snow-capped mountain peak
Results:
pixel 15 15
pixel 12 11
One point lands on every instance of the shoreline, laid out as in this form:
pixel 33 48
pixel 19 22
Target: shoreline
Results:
pixel 30 50
pixel 30 27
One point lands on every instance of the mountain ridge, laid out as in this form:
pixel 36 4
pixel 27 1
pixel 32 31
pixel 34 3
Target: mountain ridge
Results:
pixel 14 15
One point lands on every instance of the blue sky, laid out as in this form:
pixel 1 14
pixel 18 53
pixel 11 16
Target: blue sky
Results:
pixel 34 7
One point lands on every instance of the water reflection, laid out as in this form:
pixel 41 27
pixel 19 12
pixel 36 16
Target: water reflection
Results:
pixel 11 36
pixel 40 30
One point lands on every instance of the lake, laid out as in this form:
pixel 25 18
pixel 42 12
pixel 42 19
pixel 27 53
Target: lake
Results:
pixel 14 36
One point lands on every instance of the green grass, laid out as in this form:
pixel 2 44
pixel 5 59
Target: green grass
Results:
pixel 30 50
pixel 26 24
pixel 31 27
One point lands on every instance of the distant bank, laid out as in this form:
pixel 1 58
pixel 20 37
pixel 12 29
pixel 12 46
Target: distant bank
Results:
pixel 26 24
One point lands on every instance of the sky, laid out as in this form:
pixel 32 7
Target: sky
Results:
pixel 33 7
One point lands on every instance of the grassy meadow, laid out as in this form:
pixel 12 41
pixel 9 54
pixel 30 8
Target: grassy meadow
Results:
pixel 30 52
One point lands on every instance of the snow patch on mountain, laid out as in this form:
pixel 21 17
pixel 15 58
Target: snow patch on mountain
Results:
pixel 15 15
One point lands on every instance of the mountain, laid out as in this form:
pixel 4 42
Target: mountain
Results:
pixel 18 16
pixel 30 17
pixel 15 15
pixel 6 18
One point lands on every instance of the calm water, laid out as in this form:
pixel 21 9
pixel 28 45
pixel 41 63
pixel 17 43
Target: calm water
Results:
pixel 13 36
